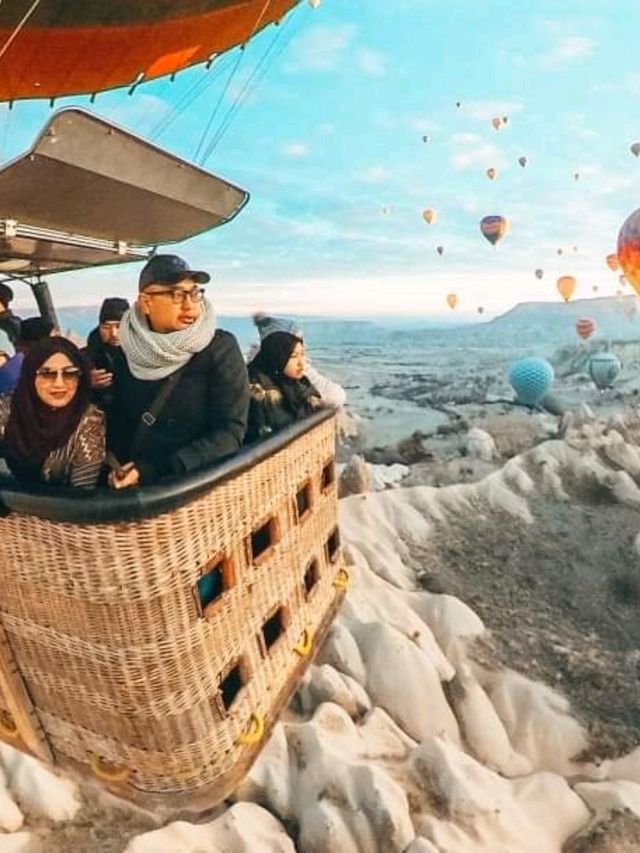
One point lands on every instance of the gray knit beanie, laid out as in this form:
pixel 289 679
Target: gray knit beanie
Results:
pixel 268 325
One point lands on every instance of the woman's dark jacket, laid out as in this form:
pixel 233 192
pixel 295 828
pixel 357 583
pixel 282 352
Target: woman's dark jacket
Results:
pixel 204 419
pixel 271 411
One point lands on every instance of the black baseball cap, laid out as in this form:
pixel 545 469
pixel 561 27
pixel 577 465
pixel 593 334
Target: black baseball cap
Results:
pixel 169 269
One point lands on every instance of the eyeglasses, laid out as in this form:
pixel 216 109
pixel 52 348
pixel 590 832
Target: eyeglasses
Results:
pixel 178 296
pixel 68 374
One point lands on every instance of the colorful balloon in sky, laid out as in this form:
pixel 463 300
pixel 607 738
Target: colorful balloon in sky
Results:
pixel 539 273
pixel 440 250
pixel 522 161
pixel 452 300
pixel 612 262
pixel 604 368
pixel 429 215
pixel 629 249
pixel 585 327
pixel 494 228
pixel 566 285
pixel 531 379
pixel 635 149
pixel 496 122
pixel 492 173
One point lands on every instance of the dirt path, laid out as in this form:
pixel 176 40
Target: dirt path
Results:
pixel 562 599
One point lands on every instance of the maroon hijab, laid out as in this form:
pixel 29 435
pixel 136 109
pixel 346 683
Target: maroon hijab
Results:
pixel 34 429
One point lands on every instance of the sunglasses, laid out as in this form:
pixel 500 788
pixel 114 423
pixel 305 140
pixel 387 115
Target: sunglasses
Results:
pixel 67 374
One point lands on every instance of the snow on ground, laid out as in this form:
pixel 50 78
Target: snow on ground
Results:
pixel 398 739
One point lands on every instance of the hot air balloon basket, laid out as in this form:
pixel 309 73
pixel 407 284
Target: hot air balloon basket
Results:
pixel 156 654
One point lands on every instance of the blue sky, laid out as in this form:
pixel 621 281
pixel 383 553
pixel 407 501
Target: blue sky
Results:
pixel 330 146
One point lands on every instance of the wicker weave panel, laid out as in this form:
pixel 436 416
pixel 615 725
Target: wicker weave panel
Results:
pixel 111 640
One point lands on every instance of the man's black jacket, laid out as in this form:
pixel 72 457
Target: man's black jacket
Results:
pixel 204 419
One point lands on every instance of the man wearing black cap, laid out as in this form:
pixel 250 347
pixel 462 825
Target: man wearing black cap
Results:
pixel 9 323
pixel 182 395
pixel 103 344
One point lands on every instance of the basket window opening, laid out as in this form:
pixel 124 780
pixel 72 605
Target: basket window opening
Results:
pixel 311 577
pixel 232 684
pixel 303 500
pixel 212 585
pixel 328 475
pixel 263 538
pixel 274 628
pixel 333 545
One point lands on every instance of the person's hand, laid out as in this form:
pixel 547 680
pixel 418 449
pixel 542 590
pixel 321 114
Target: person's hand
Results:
pixel 101 378
pixel 127 476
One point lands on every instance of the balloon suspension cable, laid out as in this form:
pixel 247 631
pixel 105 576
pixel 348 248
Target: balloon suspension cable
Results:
pixel 255 78
pixel 190 95
pixel 5 47
pixel 219 101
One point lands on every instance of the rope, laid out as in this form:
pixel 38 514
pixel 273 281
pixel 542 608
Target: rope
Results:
pixel 254 78
pixel 24 20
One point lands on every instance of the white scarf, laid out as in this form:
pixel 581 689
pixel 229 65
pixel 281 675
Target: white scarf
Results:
pixel 155 355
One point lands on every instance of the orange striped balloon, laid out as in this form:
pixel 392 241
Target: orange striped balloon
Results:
pixel 585 327
pixel 629 249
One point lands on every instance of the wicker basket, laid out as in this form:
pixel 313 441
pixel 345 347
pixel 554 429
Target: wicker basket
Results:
pixel 157 653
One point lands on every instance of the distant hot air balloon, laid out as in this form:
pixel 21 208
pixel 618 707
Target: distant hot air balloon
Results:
pixel 612 262
pixel 505 119
pixel 604 368
pixel 496 122
pixel 480 309
pixel 576 176
pixel 458 104
pixel 425 139
pixel 452 300
pixel 494 228
pixel 522 161
pixel 531 379
pixel 386 210
pixel 575 248
pixel 539 273
pixel 635 149
pixel 629 249
pixel 492 173
pixel 595 288
pixel 440 250
pixel 429 215
pixel 314 3
pixel 585 327
pixel 566 285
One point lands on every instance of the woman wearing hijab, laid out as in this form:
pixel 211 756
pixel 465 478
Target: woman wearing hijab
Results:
pixel 49 430
pixel 280 392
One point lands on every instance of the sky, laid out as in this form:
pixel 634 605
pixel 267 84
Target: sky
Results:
pixel 330 145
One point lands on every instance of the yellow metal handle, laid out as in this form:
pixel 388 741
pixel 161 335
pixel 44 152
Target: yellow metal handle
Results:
pixel 8 727
pixel 305 643
pixel 108 772
pixel 342 579
pixel 255 730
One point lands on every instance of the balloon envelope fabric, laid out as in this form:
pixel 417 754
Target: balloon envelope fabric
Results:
pixel 531 378
pixel 604 368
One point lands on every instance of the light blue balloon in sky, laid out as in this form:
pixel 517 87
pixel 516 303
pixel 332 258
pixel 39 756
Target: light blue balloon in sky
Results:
pixel 531 378
pixel 604 368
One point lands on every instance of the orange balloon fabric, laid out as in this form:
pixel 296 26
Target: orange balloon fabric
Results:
pixel 585 327
pixel 629 249
pixel 612 262
pixel 566 285
pixel 429 216
pixel 452 300
pixel 73 47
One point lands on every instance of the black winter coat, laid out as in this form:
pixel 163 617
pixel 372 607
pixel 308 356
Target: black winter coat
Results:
pixel 204 419
pixel 10 324
pixel 104 357
pixel 270 411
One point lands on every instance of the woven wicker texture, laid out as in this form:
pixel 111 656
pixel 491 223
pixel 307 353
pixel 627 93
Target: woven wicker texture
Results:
pixel 123 664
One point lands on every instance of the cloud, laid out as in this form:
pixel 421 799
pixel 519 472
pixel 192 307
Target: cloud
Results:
pixel 375 174
pixel 483 155
pixel 371 62
pixel 320 48
pixel 295 149
pixel 423 124
pixel 486 110
pixel 465 138
pixel 567 49
pixel 633 83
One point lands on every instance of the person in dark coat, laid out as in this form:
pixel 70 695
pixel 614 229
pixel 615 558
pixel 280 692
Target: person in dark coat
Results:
pixel 280 392
pixel 9 323
pixel 103 349
pixel 32 331
pixel 172 328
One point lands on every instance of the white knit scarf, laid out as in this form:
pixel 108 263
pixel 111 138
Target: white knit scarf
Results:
pixel 155 355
